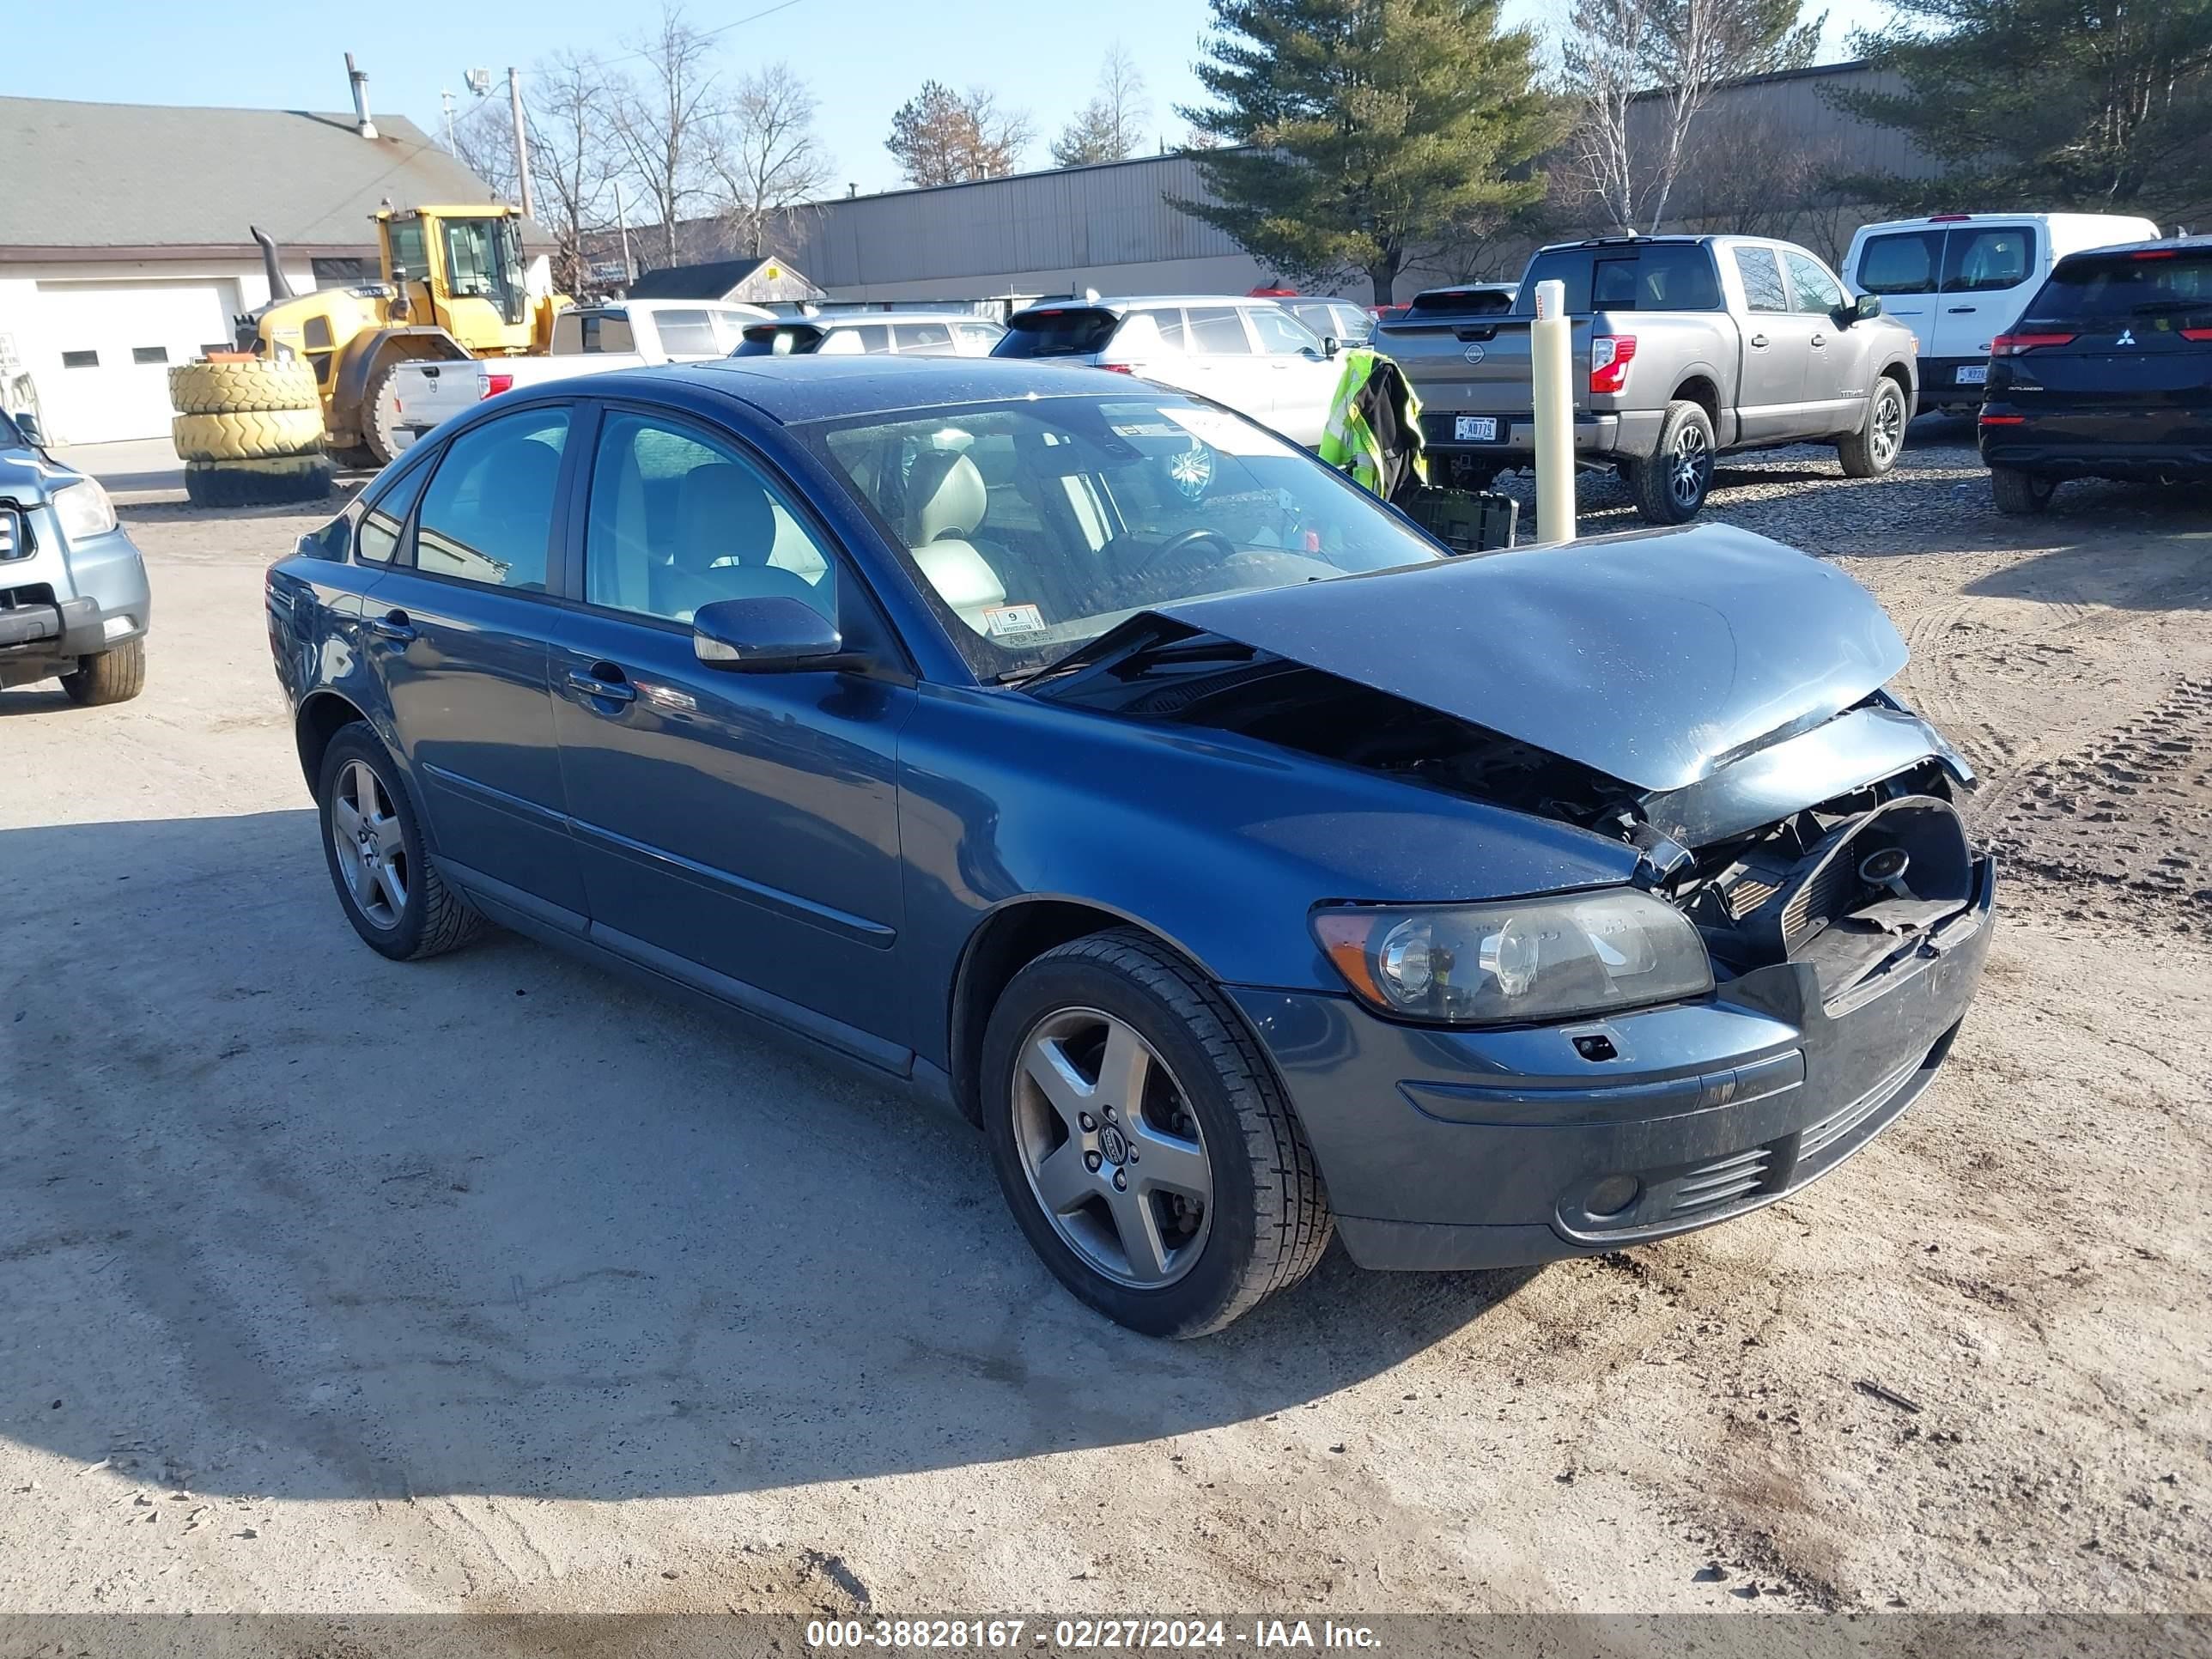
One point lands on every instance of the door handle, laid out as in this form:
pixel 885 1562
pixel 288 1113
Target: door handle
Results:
pixel 1759 341
pixel 603 682
pixel 1962 311
pixel 392 625
pixel 1820 339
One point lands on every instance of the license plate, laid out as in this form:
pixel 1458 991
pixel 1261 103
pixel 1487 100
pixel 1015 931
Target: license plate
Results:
pixel 1474 428
pixel 1974 374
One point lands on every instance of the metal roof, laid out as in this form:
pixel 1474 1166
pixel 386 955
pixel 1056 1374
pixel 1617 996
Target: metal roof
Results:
pixel 153 177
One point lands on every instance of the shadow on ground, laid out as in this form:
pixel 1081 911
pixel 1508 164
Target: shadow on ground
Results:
pixel 279 1216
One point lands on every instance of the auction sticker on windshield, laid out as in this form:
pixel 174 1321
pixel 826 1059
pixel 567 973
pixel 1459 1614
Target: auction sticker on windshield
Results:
pixel 1225 432
pixel 1012 622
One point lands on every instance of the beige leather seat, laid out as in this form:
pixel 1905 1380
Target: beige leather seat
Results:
pixel 725 531
pixel 946 499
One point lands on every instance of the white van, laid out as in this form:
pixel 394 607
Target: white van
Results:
pixel 1959 280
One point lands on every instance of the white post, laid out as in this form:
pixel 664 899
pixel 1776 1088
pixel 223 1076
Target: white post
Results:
pixel 521 142
pixel 1551 368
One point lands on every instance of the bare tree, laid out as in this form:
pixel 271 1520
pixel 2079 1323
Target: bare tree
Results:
pixel 1643 70
pixel 483 142
pixel 941 137
pixel 1110 128
pixel 1747 174
pixel 668 122
pixel 575 155
pixel 769 161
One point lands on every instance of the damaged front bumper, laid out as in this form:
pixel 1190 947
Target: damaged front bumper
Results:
pixel 1451 1149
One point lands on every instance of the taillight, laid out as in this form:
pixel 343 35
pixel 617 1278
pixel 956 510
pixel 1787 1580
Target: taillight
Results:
pixel 2004 420
pixel 2011 345
pixel 1119 369
pixel 2197 333
pixel 2152 254
pixel 1610 356
pixel 495 384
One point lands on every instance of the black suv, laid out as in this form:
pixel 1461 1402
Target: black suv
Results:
pixel 2108 374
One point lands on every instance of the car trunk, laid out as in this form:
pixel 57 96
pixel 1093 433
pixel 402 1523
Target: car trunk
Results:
pixel 2123 338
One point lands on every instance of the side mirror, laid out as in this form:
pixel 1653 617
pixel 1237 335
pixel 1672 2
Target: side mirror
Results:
pixel 34 433
pixel 1869 307
pixel 764 634
pixel 1330 345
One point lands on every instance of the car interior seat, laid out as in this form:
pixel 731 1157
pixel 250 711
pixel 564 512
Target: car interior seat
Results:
pixel 724 531
pixel 946 499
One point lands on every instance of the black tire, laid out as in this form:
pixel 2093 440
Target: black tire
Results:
pixel 2021 494
pixel 115 676
pixel 1685 436
pixel 270 483
pixel 1872 450
pixel 1269 1222
pixel 435 919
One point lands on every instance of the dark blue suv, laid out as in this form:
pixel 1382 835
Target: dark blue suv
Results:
pixel 1077 752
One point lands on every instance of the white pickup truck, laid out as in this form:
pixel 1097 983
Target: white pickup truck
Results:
pixel 587 340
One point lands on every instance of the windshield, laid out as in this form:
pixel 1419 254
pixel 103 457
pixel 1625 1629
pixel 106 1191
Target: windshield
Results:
pixel 1036 526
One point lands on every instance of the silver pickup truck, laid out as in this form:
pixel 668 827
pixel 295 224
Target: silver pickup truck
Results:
pixel 1684 347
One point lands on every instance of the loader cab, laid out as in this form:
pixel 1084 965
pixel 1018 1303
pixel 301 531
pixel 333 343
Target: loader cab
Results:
pixel 461 270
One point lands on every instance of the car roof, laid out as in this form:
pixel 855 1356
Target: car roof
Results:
pixel 1934 220
pixel 2164 243
pixel 1131 301
pixel 794 390
pixel 852 318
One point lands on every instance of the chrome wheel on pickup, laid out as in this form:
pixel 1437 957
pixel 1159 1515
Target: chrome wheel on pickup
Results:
pixel 1873 450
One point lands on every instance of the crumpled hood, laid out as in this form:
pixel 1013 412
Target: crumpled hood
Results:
pixel 1654 657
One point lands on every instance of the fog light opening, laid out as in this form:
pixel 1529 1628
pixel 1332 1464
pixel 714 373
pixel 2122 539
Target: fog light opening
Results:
pixel 1612 1195
pixel 115 627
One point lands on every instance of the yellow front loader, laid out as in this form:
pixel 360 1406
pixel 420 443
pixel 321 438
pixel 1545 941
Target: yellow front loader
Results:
pixel 456 284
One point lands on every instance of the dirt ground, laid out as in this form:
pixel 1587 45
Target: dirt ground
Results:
pixel 492 1284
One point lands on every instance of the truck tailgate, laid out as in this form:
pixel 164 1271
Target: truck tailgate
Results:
pixel 1473 366
pixel 427 394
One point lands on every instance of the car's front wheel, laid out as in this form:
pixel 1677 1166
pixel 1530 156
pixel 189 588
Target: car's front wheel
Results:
pixel 116 675
pixel 2019 495
pixel 391 892
pixel 1143 1143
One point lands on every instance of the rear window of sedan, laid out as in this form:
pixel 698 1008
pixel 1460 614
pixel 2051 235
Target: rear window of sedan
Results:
pixel 2153 283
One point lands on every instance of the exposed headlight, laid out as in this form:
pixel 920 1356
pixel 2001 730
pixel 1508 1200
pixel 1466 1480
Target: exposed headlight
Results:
pixel 1523 961
pixel 83 509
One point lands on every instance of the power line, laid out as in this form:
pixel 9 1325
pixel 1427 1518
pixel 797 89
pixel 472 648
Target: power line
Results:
pixel 709 34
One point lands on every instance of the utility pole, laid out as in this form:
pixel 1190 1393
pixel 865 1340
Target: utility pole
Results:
pixel 521 141
pixel 621 218
pixel 446 97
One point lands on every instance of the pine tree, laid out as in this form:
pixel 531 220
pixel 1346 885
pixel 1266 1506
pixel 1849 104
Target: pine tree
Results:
pixel 1370 133
pixel 2098 105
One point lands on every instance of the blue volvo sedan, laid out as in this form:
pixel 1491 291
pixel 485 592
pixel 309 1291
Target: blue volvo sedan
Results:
pixel 1074 751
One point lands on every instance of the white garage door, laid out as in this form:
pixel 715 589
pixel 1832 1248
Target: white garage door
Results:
pixel 103 373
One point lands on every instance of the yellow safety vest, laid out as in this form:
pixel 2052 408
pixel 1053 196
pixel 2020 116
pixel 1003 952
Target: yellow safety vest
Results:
pixel 1348 442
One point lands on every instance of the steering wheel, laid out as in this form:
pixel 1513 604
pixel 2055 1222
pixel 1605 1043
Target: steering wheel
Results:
pixel 1182 543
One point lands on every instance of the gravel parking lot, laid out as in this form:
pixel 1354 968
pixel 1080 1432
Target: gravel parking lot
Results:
pixel 491 1284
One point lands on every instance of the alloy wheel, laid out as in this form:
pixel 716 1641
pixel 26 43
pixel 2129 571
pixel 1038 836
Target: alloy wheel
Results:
pixel 1888 425
pixel 1691 467
pixel 1112 1148
pixel 372 850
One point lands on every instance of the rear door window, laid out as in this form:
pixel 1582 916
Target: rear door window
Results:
pixel 1218 331
pixel 1988 258
pixel 1902 262
pixel 1282 335
pixel 488 514
pixel 687 333
pixel 384 522
pixel 928 338
pixel 1762 280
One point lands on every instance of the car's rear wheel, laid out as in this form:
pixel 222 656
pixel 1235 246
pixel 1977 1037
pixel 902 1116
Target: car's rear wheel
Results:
pixel 1873 450
pixel 116 675
pixel 389 890
pixel 1673 483
pixel 2021 494
pixel 1146 1149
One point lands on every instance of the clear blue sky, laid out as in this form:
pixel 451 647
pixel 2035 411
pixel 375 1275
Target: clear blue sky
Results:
pixel 862 58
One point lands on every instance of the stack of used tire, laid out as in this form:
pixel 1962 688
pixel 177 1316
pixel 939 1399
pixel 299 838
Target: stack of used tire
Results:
pixel 249 431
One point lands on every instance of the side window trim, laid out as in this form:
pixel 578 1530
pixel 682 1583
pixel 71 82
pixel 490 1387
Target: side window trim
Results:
pixel 404 477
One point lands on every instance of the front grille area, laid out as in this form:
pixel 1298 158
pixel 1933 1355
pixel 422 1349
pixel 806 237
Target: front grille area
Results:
pixel 1818 1137
pixel 1723 1182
